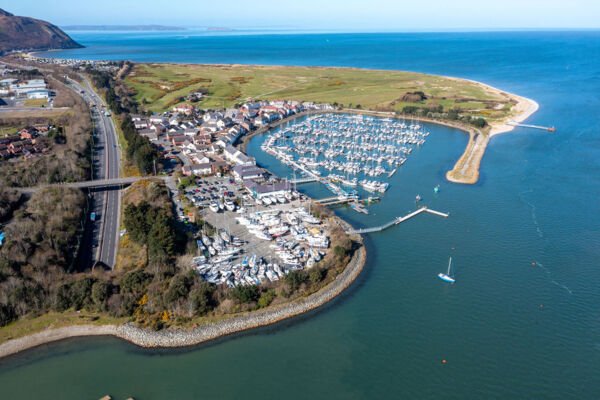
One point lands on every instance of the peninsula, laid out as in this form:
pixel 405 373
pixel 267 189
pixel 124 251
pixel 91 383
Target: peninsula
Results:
pixel 478 109
pixel 193 263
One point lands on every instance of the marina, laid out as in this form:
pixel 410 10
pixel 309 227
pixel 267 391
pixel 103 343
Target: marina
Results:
pixel 352 155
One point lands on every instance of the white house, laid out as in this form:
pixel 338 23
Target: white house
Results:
pixel 235 156
pixel 260 190
pixel 243 172
pixel 197 169
pixel 158 119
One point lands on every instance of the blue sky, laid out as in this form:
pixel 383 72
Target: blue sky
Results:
pixel 349 15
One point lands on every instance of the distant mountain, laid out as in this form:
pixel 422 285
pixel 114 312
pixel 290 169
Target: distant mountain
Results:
pixel 23 33
pixel 122 28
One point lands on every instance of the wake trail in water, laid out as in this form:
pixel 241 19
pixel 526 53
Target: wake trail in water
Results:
pixel 533 213
pixel 549 274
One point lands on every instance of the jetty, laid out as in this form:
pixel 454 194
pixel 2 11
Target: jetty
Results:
pixel 300 181
pixel 399 220
pixel 330 201
pixel 543 128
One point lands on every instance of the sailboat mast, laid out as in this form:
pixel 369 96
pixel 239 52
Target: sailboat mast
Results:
pixel 449 265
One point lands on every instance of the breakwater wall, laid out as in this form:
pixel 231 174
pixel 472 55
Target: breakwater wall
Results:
pixel 170 338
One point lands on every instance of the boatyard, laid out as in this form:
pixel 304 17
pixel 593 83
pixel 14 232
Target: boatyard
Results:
pixel 259 241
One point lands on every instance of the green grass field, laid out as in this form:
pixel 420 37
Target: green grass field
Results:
pixel 36 103
pixel 161 86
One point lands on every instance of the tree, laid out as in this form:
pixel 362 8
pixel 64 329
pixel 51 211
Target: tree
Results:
pixel 266 298
pixel 295 279
pixel 81 291
pixel 316 275
pixel 135 282
pixel 202 298
pixel 479 122
pixel 135 219
pixel 62 299
pixel 161 239
pixel 245 294
pixel 100 294
pixel 179 288
pixel 7 314
pixel 339 252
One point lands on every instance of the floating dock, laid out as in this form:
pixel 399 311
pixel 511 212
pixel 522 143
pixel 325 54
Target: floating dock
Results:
pixel 399 220
pixel 329 201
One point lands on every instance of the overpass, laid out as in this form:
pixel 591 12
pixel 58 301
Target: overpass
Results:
pixel 95 184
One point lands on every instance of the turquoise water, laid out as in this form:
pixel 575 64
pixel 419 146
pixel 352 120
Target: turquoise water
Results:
pixel 508 329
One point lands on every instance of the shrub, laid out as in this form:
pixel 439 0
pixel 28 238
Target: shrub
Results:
pixel 295 279
pixel 245 294
pixel 316 275
pixel 202 298
pixel 266 298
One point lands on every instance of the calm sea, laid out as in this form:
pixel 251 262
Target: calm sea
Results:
pixel 523 319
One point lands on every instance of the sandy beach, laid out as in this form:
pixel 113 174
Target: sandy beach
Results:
pixel 466 169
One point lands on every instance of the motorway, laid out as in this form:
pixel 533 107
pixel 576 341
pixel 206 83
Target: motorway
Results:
pixel 104 232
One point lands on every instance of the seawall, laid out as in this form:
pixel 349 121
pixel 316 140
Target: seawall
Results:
pixel 189 337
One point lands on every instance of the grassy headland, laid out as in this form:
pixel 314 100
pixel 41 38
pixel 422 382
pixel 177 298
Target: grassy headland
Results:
pixel 471 106
pixel 161 86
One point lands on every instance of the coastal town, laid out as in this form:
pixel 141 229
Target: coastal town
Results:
pixel 168 209
pixel 256 227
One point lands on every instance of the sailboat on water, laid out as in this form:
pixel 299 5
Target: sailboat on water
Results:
pixel 446 277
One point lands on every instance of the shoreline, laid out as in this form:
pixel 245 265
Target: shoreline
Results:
pixel 176 338
pixel 466 171
pixel 466 168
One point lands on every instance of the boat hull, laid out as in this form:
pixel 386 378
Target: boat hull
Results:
pixel 446 278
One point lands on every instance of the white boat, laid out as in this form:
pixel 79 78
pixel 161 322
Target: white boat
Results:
pixel 446 277
pixel 277 231
pixel 230 205
pixel 225 236
pixel 281 199
pixel 263 236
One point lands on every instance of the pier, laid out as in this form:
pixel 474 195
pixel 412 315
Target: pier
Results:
pixel 300 181
pixel 330 201
pixel 399 220
pixel 543 128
